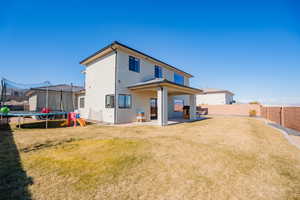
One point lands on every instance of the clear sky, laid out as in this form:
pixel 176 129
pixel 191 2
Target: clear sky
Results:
pixel 249 47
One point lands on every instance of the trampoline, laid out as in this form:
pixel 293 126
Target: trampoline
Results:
pixel 42 101
pixel 23 114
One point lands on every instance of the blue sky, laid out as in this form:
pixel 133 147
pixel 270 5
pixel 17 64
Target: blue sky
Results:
pixel 249 47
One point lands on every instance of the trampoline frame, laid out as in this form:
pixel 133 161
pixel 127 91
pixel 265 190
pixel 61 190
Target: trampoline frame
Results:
pixel 29 114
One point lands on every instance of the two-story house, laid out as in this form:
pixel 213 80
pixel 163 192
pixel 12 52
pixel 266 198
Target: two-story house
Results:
pixel 121 82
pixel 212 96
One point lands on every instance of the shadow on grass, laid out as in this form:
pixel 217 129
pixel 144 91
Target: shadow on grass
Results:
pixel 14 181
pixel 42 124
pixel 199 119
pixel 183 121
pixel 51 124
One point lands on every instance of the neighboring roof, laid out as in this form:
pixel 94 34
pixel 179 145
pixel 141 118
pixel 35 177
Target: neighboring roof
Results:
pixel 117 45
pixel 60 87
pixel 162 82
pixel 57 88
pixel 214 90
pixel 80 92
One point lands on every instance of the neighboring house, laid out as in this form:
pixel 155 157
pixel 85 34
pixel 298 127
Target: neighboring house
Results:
pixel 121 82
pixel 80 101
pixel 14 99
pixel 60 97
pixel 215 97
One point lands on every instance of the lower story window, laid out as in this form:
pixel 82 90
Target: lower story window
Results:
pixel 178 105
pixel 81 102
pixel 124 101
pixel 109 101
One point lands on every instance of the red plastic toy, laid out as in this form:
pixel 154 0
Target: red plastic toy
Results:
pixel 72 117
pixel 46 110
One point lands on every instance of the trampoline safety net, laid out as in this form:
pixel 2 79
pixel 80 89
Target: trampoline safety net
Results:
pixel 35 97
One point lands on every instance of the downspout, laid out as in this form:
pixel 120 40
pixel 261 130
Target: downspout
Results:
pixel 115 99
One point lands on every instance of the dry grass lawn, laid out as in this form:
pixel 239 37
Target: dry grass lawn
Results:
pixel 218 158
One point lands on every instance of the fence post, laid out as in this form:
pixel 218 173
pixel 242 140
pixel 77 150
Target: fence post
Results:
pixel 282 116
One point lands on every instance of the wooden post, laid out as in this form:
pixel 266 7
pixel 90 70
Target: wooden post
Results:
pixel 282 116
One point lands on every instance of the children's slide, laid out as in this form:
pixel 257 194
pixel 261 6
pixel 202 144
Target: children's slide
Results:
pixel 81 122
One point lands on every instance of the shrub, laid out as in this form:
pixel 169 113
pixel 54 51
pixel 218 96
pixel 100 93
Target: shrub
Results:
pixel 252 113
pixel 254 102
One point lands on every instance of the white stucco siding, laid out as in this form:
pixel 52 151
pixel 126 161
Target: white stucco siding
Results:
pixel 99 81
pixel 168 74
pixel 186 81
pixel 211 99
pixel 140 101
pixel 125 77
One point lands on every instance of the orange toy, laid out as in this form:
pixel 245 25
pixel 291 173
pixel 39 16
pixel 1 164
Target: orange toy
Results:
pixel 81 122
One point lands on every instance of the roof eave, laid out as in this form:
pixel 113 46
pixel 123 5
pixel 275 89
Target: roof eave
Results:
pixel 163 83
pixel 115 45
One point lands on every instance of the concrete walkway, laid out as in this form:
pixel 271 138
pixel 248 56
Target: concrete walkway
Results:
pixel 291 135
pixel 155 122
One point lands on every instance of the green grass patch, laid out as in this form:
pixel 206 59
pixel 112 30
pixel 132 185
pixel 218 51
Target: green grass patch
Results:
pixel 88 163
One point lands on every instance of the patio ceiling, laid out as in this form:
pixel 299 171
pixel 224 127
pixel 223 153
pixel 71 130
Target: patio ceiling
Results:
pixel 173 88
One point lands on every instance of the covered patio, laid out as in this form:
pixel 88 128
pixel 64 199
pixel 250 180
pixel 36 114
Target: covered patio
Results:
pixel 163 89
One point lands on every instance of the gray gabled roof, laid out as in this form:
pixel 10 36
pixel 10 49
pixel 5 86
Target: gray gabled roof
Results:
pixel 155 80
pixel 115 43
pixel 160 81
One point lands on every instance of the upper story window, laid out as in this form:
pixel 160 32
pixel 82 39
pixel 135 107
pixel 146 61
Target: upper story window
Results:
pixel 134 64
pixel 157 72
pixel 179 79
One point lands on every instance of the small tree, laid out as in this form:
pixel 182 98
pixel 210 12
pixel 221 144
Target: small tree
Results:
pixel 252 113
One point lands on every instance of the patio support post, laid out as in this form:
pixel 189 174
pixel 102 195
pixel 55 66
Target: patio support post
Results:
pixel 193 107
pixel 162 106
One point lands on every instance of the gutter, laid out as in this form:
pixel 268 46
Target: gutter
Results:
pixel 115 98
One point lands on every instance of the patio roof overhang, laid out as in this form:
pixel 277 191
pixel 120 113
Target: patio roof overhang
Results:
pixel 173 88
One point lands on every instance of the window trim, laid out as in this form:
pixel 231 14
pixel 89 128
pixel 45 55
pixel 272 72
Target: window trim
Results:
pixel 108 106
pixel 139 64
pixel 130 106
